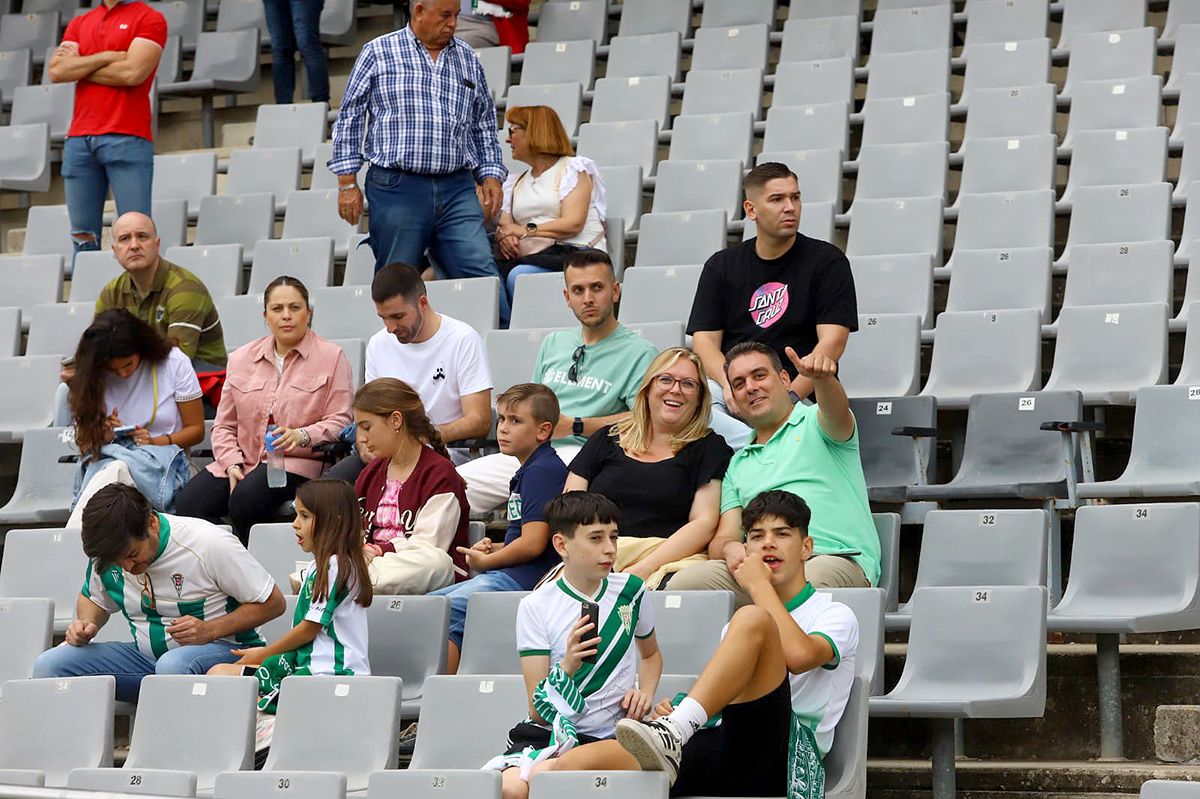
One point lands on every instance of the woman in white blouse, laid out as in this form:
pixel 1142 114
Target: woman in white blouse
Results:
pixel 555 206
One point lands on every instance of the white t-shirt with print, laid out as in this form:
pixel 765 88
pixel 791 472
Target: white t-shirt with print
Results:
pixel 171 381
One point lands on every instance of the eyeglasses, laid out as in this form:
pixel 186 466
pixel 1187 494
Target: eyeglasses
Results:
pixel 576 358
pixel 687 385
pixel 514 128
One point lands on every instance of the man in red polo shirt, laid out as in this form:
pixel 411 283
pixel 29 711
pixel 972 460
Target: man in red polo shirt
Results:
pixel 111 53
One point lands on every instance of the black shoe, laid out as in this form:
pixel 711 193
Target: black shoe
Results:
pixel 408 740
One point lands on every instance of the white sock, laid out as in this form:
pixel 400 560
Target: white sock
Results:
pixel 688 717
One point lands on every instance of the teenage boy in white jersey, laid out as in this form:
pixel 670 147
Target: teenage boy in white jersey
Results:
pixel 780 678
pixel 189 591
pixel 580 683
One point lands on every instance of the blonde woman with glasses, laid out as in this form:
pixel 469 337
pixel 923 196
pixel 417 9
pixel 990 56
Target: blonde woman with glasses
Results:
pixel 663 466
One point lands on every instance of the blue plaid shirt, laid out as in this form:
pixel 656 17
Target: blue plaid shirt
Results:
pixel 425 116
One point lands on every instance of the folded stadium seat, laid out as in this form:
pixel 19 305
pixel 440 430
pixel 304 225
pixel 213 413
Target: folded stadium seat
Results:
pixel 55 328
pixel 1110 55
pixel 812 83
pixel 897 227
pixel 64 8
pixel 170 64
pixel 663 335
pixel 984 280
pixel 893 461
pixel 1118 214
pixel 26 625
pixel 568 22
pixel 1001 65
pixel 291 125
pixel 31 383
pixel 274 546
pixel 497 68
pixel 25 157
pixel 1178 15
pixel 1156 590
pixel 909 74
pixel 894 284
pixel 93 271
pixel 314 714
pixel 867 604
pixel 639 17
pixel 408 640
pixel 819 173
pixel 356 350
pixel 241 319
pixel 239 15
pixel 185 19
pixel 902 120
pixel 187 176
pixel 34 32
pixel 1189 170
pixel 1000 21
pixel 45 563
pixel 272 170
pixel 1088 16
pixel 244 219
pixel 644 55
pixel 826 8
pixel 1004 221
pixel 993 640
pixel 48 727
pixel 298 784
pixel 846 762
pixel 570 784
pixel 1123 104
pixel 310 260
pixel 623 190
pixel 1023 163
pixel 808 127
pixel 218 266
pixel 984 352
pixel 565 98
pixel 740 47
pixel 713 136
pixel 220 710
pixel 347 312
pixel 360 262
pixel 538 302
pixel 226 62
pixel 901 30
pixel 1133 272
pixel 631 142
pixel 1186 59
pixel 489 638
pixel 10 331
pixel 559 62
pixel 171 219
pixel 53 105
pixel 979 547
pixel 1010 113
pixel 16 69
pixel 897 171
pixel 322 178
pixel 658 293
pixel 474 300
pixel 1191 227
pixel 883 359
pixel 31 280
pixel 1190 371
pixel 725 13
pixel 339 22
pixel 887 5
pixel 819 39
pixel 689 626
pixel 699 185
pixel 1116 158
pixel 512 354
pixel 722 91
pixel 680 238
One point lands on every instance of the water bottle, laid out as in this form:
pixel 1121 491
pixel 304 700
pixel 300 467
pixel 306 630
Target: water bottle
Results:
pixel 276 474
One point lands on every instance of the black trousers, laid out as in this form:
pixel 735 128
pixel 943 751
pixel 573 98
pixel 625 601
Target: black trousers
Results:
pixel 253 502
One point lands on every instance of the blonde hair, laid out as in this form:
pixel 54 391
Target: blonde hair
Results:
pixel 544 131
pixel 634 433
pixel 387 395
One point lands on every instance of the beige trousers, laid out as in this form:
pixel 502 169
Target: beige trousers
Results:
pixel 631 550
pixel 823 571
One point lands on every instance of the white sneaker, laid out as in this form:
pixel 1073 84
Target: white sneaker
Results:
pixel 656 745
pixel 264 730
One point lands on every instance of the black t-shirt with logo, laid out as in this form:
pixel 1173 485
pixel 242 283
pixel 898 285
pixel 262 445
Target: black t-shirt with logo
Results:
pixel 779 302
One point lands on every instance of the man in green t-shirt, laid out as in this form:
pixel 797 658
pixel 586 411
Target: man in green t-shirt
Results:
pixel 594 370
pixel 808 450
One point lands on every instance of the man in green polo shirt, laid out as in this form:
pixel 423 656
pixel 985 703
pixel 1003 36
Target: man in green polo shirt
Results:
pixel 808 450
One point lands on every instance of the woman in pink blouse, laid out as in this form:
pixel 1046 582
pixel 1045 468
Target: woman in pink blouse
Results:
pixel 292 375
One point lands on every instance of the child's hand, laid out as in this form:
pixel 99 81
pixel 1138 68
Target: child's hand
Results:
pixel 254 656
pixel 577 647
pixel 663 708
pixel 752 573
pixel 476 556
pixel 373 551
pixel 637 704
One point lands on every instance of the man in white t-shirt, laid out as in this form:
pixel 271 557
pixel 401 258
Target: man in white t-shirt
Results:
pixel 441 357
pixel 189 591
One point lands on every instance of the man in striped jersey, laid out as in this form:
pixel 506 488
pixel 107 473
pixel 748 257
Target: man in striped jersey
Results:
pixel 189 591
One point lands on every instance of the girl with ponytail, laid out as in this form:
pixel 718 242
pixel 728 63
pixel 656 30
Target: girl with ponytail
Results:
pixel 413 502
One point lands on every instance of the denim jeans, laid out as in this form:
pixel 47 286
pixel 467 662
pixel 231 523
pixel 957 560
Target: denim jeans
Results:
pixel 126 662
pixel 459 593
pixel 91 164
pixel 410 213
pixel 296 25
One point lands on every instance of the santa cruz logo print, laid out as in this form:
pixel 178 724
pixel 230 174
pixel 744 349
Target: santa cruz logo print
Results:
pixel 768 304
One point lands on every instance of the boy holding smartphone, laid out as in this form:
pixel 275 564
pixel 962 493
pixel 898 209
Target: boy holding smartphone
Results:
pixel 581 680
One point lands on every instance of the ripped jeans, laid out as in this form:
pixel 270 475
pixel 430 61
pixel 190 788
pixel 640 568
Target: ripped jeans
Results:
pixel 93 163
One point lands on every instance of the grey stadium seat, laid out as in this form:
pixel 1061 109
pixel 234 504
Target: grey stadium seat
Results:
pixel 314 213
pixel 16 69
pixel 1004 221
pixel 883 359
pixel 569 784
pixel 226 63
pixel 977 352
pixel 1024 163
pixel 645 98
pixel 689 626
pixel 998 21
pixel 900 30
pixel 218 266
pixel 1189 170
pixel 1118 214
pixel 356 350
pixel 680 238
pixel 93 270
pixel 737 47
pixel 826 8
pixel 1186 59
pixel 47 563
pixel 1178 14
pixel 1108 274
pixel 699 185
pixel 621 143
pixel 474 300
pixel 714 136
pixel 722 91
pixel 1086 16
pixel 10 331
pixel 814 39
pixel 900 120
pixel 497 68
pixel 1122 104
pixel 810 127
pixel 50 726
pixel 893 462
pixel 310 260
pixel 185 19
pixel 171 219
pixel 1110 55
pixel 243 219
pixel 579 19
pixel 644 56
pixel 867 604
pixel 897 227
pixel 360 262
pixel 718 13
pixel 829 80
pixel 25 157
pixel 491 701
pixel 897 171
pixel 1188 111
pixel 1117 158
pixel 408 640
pixel 348 312
pixel 819 173
pixel 241 319
pixel 658 294
pixel 186 176
pixel 1191 228
pixel 909 74
pixel 1001 65
pixel 984 280
pixel 538 302
pixel 846 762
pixel 888 284
pixel 640 17
pixel 298 784
pixel 55 329
pixel 27 625
pixel 511 355
pixel 489 640
pixel 34 32
pixel 44 486
pixel 258 170
pixel 241 15
pixel 53 104
pixel 48 231
pixel 274 546
pixel 465 783
pixel 559 62
pixel 662 335
pixel 565 98
pixel 31 280
pixel 1022 111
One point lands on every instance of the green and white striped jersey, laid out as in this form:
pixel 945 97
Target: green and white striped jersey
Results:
pixel 199 570
pixel 544 622
pixel 341 646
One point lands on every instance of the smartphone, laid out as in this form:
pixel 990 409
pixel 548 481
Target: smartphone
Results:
pixel 249 671
pixel 591 611
pixel 124 431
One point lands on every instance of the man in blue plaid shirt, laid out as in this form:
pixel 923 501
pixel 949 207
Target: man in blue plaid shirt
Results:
pixel 418 109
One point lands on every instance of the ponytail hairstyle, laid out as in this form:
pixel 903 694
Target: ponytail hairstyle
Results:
pixel 337 530
pixel 115 333
pixel 387 395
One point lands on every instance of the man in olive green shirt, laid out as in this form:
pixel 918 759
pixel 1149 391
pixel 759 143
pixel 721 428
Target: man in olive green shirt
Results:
pixel 170 298
pixel 809 450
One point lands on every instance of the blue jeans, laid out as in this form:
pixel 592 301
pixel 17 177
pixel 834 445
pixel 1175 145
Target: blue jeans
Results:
pixel 125 661
pixel 93 163
pixel 522 269
pixel 296 25
pixel 410 213
pixel 461 592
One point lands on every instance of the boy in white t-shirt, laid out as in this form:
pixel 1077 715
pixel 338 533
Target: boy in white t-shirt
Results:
pixel 580 683
pixel 780 678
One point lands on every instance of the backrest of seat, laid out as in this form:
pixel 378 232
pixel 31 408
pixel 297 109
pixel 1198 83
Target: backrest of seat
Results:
pixel 314 213
pixel 54 329
pixel 622 143
pixel 56 725
pixel 718 13
pixel 662 335
pixel 887 527
pixel 1132 272
pixel 240 14
pixel 713 136
pixel 348 312
pixel 227 56
pixel 265 169
pixel 474 300
pixel 492 702
pixel 827 8
pixel 1164 430
pixel 310 260
pixel 896 171
pixel 1085 16
pixel 689 625
pixel 10 331
pixel 883 358
pixel 900 120
pixel 274 546
pixel 42 482
pixel 828 37
pixel 185 19
pixel 999 21
pixel 909 74
pixel 1106 55
pixel 241 319
pixel 1117 157
pixel 33 31
pixel 186 176
pixel 218 266
pixel 1124 104
pixel 815 82
pixel 490 638
pixel 846 762
pixel 44 563
pixel 888 460
pixel 990 547
pixel 93 270
pixel 643 56
pixel 894 284
pixel 1005 220
pixel 867 604
pixel 53 104
pixel 356 351
pixel 1119 214
pixel 564 98
pixel 659 294
pixel 538 302
pixel 1005 440
pixel 512 354
pixel 896 227
pixel 680 239
pixel 731 47
pixel 699 185
pixel 559 62
pixel 905 29
pixel 1002 279
pixel 16 69
pixel 48 231
pixel 31 280
pixel 243 219
pixel 408 638
pixel 984 351
pixel 656 16
pixel 720 91
pixel 26 625
pixel 581 19
pixel 291 125
pixel 497 68
pixel 1011 112
pixel 1022 163
pixel 1001 65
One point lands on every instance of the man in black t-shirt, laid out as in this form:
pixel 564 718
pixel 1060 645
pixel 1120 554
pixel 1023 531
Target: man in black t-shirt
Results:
pixel 780 288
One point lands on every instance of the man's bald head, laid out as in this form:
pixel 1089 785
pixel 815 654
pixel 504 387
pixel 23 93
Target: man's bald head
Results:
pixel 135 242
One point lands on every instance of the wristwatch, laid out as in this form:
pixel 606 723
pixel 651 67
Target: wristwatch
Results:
pixel 530 228
pixel 577 427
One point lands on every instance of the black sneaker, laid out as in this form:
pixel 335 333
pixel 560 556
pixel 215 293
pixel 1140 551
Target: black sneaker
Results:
pixel 408 740
pixel 656 745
